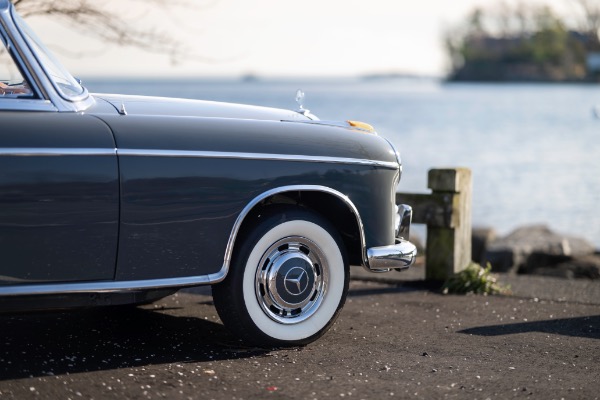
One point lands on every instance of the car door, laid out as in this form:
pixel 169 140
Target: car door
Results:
pixel 59 190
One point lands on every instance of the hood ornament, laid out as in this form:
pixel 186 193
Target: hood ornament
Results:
pixel 122 110
pixel 300 100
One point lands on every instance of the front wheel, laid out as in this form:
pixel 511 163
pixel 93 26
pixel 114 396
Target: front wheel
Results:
pixel 288 280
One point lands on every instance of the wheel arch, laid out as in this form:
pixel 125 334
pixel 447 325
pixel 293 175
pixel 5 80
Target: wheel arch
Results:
pixel 321 199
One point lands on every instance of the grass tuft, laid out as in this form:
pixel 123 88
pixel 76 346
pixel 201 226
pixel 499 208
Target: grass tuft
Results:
pixel 474 279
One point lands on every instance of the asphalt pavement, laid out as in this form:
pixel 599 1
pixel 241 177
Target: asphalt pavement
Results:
pixel 584 291
pixel 395 338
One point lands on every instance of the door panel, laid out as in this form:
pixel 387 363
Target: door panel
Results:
pixel 59 195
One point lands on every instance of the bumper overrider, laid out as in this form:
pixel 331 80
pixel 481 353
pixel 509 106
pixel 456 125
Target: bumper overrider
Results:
pixel 397 256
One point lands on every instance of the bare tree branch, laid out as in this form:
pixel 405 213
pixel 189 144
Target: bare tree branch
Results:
pixel 95 19
pixel 590 22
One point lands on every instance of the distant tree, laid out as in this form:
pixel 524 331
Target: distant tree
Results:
pixel 553 45
pixel 515 43
pixel 110 25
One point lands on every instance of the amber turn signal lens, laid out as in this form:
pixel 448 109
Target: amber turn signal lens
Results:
pixel 362 126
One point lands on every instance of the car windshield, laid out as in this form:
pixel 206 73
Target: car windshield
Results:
pixel 62 80
pixel 12 83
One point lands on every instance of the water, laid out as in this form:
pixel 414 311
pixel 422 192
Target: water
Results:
pixel 534 149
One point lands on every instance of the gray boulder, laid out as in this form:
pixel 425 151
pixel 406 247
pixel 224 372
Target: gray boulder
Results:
pixel 530 248
pixel 481 237
pixel 581 267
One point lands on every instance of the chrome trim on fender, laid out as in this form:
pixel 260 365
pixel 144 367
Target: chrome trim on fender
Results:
pixel 397 154
pixel 253 156
pixel 284 189
pixel 108 286
pixel 40 152
pixel 398 256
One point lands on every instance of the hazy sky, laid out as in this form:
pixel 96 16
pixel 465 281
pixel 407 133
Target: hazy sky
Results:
pixel 279 37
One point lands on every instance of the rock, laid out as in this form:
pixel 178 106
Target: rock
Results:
pixel 481 237
pixel 582 267
pixel 533 247
pixel 554 272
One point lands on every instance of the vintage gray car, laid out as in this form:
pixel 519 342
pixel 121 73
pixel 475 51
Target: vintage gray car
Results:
pixel 109 199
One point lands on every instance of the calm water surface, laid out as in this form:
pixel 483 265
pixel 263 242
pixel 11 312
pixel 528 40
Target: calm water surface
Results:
pixel 534 149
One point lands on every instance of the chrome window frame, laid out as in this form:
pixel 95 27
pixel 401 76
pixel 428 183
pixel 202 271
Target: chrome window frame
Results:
pixel 36 47
pixel 37 102
pixel 47 97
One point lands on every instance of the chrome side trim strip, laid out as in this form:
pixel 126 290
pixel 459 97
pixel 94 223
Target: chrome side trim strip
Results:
pixel 253 156
pixel 43 152
pixel 108 286
pixel 284 189
pixel 24 151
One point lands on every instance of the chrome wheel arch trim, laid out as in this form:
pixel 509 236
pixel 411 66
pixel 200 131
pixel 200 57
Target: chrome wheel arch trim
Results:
pixel 286 189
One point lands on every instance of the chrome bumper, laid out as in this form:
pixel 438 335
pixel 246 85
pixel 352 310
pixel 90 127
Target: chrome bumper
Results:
pixel 397 256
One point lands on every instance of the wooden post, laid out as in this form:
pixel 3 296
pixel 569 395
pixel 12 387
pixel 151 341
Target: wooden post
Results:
pixel 449 244
pixel 447 213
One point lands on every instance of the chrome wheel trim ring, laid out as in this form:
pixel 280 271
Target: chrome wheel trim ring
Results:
pixel 291 280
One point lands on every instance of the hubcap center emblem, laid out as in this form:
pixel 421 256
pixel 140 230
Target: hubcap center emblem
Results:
pixel 296 281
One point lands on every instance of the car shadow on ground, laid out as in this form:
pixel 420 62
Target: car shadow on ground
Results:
pixel 56 343
pixel 394 287
pixel 586 327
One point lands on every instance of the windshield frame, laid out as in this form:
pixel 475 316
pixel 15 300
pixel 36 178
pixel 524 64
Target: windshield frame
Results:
pixel 6 46
pixel 42 100
pixel 44 56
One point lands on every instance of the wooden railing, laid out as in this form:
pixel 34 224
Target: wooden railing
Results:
pixel 447 213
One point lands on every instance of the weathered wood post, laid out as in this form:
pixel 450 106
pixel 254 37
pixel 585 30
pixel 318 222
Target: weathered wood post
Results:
pixel 447 214
pixel 449 244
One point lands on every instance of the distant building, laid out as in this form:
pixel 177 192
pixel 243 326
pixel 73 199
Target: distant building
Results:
pixel 593 64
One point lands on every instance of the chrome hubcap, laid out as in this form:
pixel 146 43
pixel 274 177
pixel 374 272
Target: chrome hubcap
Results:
pixel 291 280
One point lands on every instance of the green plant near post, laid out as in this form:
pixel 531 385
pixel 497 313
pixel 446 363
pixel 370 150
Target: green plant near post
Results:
pixel 474 279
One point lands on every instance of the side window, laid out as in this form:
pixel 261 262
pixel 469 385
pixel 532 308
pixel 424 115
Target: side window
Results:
pixel 12 83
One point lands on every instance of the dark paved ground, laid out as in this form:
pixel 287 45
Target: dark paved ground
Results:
pixel 393 340
pixel 582 291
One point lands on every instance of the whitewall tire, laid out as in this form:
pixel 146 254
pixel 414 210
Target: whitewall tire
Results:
pixel 287 282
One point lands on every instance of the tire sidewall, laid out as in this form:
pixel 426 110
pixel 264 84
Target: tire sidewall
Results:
pixel 272 229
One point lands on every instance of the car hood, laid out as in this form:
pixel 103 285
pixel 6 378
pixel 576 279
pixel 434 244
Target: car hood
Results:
pixel 143 105
pixel 159 124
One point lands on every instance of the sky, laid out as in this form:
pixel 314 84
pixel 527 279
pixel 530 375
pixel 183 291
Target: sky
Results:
pixel 276 38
